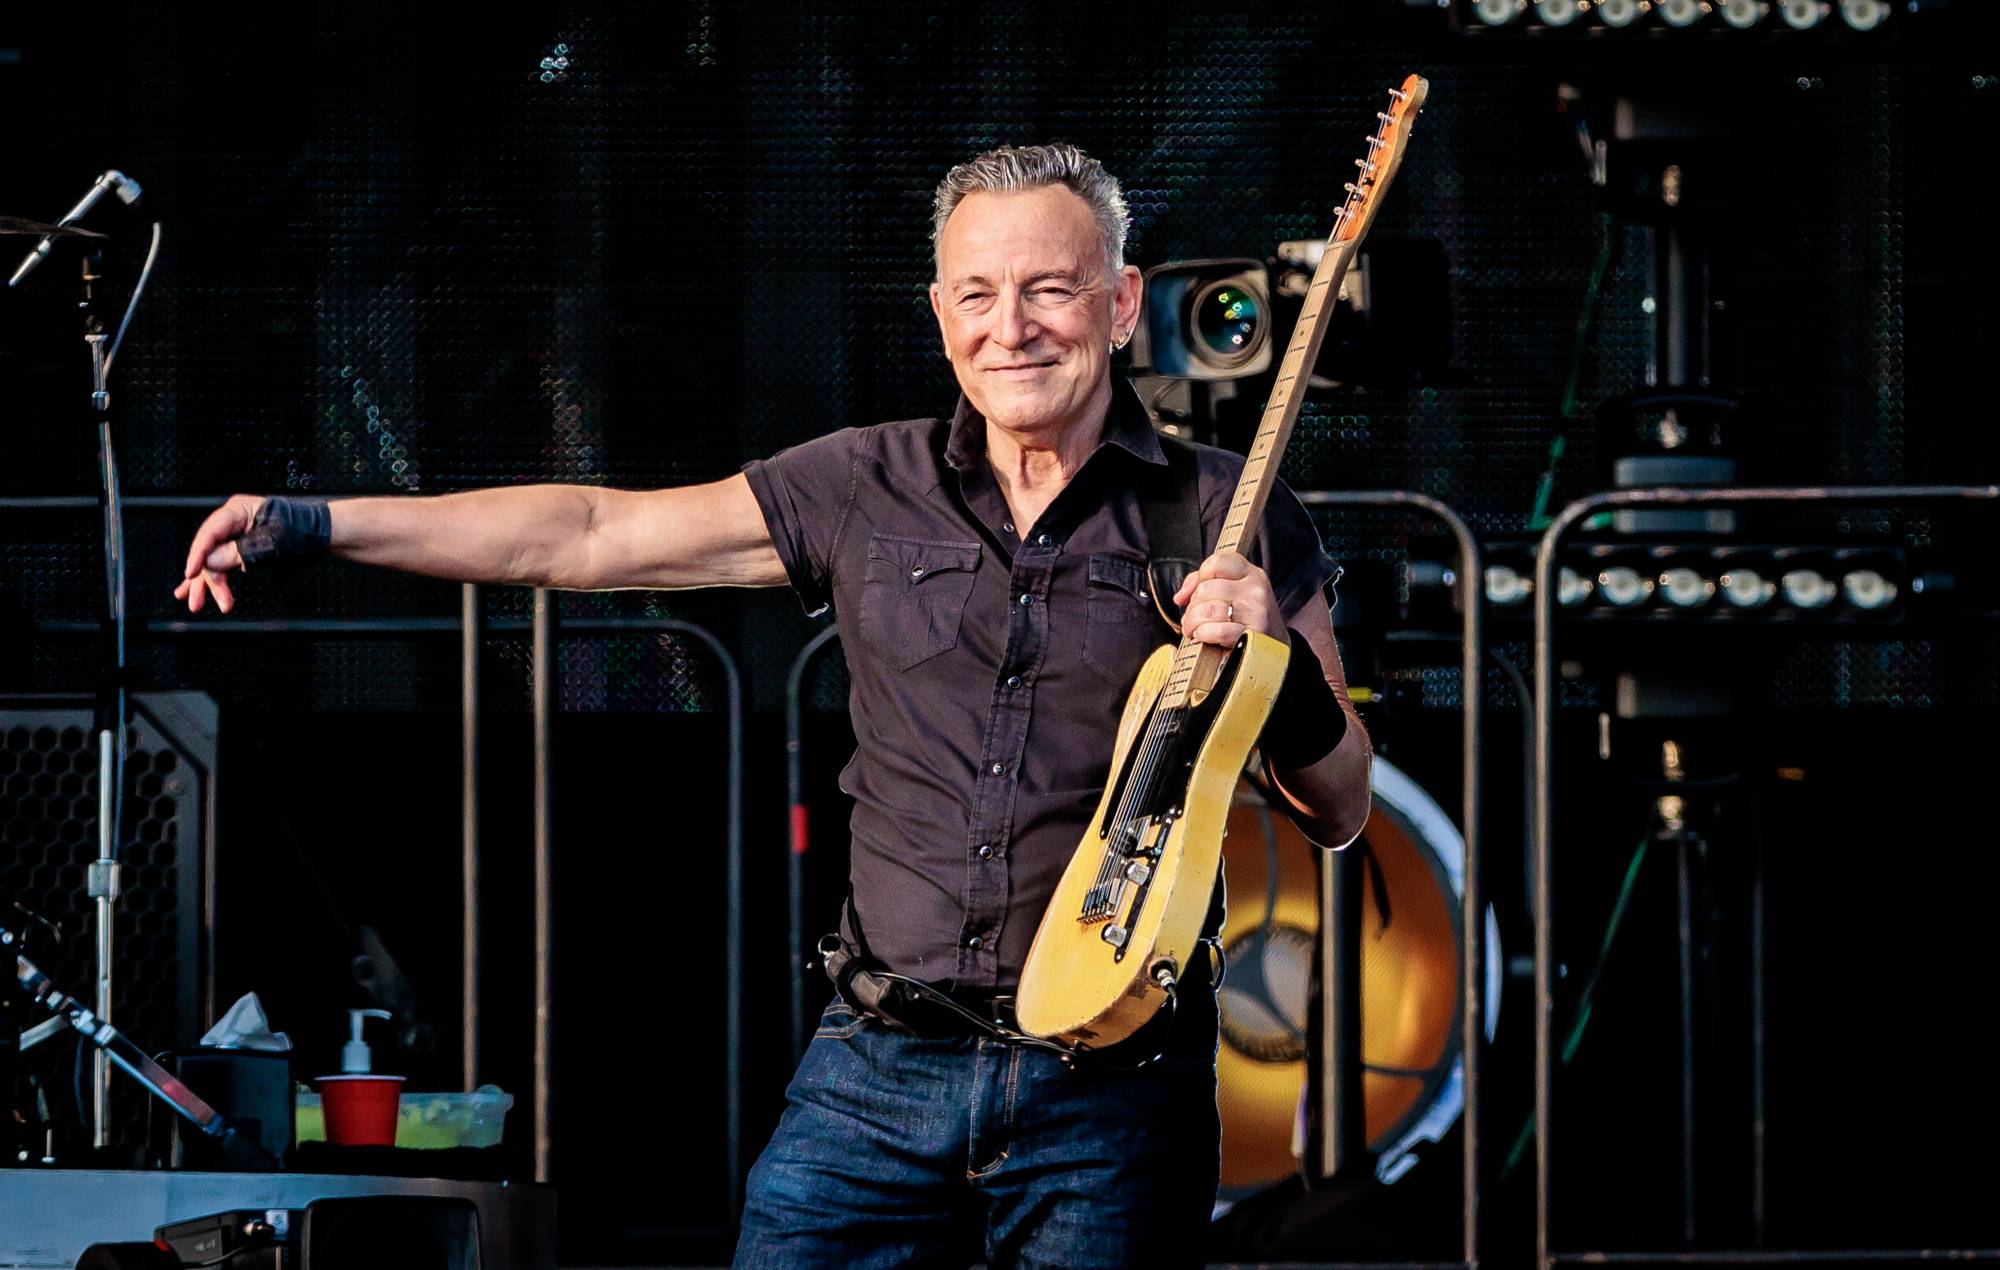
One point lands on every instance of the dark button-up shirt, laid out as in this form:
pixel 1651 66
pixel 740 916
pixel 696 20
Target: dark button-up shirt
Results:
pixel 988 662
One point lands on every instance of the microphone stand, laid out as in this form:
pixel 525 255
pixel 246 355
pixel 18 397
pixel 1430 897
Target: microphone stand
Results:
pixel 112 709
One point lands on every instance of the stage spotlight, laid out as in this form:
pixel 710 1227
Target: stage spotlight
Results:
pixel 1572 588
pixel 1802 15
pixel 1744 14
pixel 1623 586
pixel 1618 12
pixel 1869 590
pixel 1864 15
pixel 1808 589
pixel 1685 589
pixel 1681 12
pixel 1497 12
pixel 1558 12
pixel 1747 588
pixel 1506 585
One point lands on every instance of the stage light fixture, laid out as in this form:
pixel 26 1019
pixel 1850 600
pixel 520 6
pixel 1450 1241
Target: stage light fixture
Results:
pixel 1572 588
pixel 1744 14
pixel 1802 15
pixel 1505 585
pixel 1681 12
pixel 1685 589
pixel 1623 586
pixel 1618 13
pixel 1747 588
pixel 1558 12
pixel 1868 590
pixel 1497 12
pixel 1808 589
pixel 1864 15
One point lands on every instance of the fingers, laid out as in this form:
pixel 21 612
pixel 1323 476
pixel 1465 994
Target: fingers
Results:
pixel 1223 565
pixel 197 589
pixel 225 524
pixel 1215 622
pixel 1226 597
pixel 213 553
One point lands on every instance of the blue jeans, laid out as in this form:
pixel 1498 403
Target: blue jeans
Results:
pixel 897 1150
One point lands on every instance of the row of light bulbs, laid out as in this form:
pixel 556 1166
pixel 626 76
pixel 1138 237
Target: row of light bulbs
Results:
pixel 1743 15
pixel 1621 586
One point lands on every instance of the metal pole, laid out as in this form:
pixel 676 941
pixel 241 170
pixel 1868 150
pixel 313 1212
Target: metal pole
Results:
pixel 104 888
pixel 795 783
pixel 468 696
pixel 1545 704
pixel 542 691
pixel 1341 1114
pixel 733 954
pixel 1472 902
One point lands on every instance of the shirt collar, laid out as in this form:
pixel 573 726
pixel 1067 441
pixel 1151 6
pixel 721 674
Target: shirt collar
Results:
pixel 1127 426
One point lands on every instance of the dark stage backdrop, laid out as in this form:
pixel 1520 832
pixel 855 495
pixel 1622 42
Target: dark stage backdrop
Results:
pixel 414 250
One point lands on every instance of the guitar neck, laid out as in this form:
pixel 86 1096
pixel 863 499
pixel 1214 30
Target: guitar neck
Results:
pixel 1260 469
pixel 1196 664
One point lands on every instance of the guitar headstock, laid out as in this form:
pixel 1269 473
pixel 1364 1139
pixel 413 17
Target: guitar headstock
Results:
pixel 1385 154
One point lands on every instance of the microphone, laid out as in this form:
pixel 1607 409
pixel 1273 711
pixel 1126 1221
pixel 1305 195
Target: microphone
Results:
pixel 117 182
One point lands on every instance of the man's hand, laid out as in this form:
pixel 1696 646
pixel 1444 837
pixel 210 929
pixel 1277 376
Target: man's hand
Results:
pixel 1226 597
pixel 213 554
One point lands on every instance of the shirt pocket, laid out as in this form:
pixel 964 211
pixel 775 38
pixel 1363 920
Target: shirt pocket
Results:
pixel 913 596
pixel 1120 626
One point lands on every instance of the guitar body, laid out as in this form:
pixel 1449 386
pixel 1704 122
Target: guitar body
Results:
pixel 1080 987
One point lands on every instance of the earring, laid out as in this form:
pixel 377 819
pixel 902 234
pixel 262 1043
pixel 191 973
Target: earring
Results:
pixel 1119 342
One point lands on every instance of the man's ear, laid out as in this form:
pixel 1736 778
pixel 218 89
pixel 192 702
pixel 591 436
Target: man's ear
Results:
pixel 1125 302
pixel 937 311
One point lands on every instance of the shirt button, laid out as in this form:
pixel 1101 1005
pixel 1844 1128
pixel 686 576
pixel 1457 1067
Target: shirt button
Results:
pixel 1013 681
pixel 1027 600
pixel 986 852
pixel 917 572
pixel 974 943
pixel 999 769
pixel 1041 540
pixel 1008 526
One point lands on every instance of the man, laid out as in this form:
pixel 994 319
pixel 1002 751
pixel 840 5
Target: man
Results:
pixel 988 575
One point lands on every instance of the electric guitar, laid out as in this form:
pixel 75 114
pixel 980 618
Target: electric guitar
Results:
pixel 1128 912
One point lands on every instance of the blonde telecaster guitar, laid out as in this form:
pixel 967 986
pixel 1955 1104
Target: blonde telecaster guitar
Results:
pixel 1128 912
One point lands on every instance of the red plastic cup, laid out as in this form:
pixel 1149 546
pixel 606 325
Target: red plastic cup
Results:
pixel 361 1110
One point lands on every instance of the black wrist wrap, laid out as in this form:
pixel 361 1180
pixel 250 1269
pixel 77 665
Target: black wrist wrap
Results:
pixel 1307 720
pixel 287 529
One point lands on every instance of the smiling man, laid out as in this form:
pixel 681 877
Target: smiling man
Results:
pixel 989 576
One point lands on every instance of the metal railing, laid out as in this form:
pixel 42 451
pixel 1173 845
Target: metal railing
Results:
pixel 1545 591
pixel 545 632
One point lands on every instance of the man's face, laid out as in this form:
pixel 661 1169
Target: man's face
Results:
pixel 1026 307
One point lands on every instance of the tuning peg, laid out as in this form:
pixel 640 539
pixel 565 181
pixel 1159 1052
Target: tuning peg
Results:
pixel 1365 166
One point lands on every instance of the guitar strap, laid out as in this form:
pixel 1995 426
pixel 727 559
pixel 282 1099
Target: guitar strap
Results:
pixel 1171 506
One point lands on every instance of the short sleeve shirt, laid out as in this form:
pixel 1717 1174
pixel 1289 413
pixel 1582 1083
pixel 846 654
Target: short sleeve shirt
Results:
pixel 988 662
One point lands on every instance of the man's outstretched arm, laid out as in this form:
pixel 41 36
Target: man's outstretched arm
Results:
pixel 572 537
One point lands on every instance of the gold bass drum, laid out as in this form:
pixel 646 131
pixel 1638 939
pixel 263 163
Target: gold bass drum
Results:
pixel 1412 1075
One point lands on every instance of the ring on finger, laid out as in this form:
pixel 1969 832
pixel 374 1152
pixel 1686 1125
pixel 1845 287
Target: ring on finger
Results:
pixel 1230 615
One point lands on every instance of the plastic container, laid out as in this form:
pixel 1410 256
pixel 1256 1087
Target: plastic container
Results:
pixel 427 1121
pixel 360 1110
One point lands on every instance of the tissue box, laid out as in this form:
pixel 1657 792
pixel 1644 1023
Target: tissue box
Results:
pixel 426 1121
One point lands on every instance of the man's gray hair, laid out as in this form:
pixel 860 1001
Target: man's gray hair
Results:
pixel 1012 169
